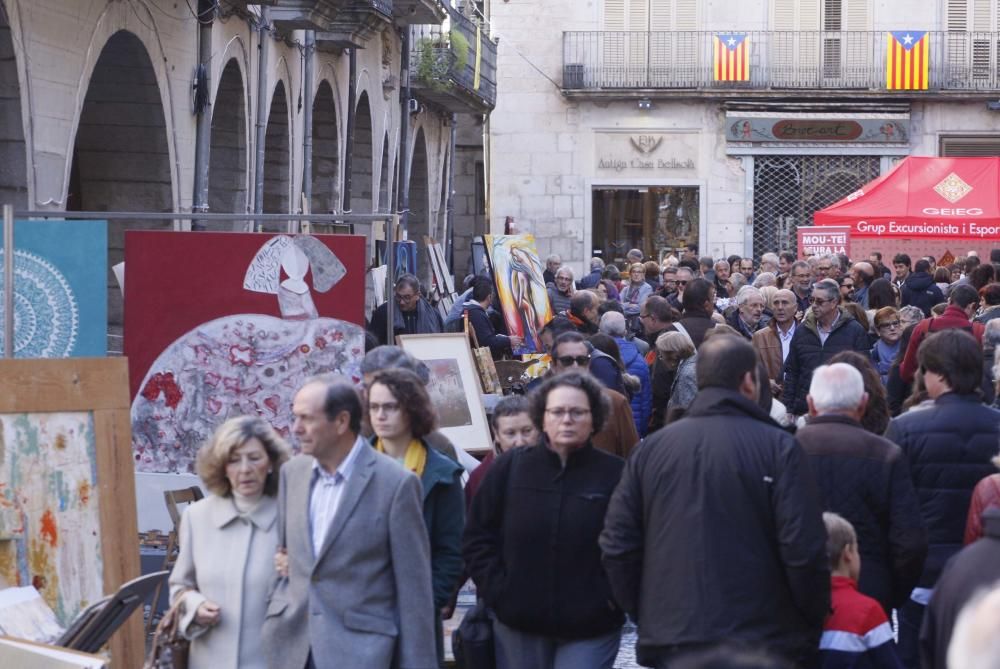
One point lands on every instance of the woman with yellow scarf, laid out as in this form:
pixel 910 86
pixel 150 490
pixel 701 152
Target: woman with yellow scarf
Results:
pixel 401 414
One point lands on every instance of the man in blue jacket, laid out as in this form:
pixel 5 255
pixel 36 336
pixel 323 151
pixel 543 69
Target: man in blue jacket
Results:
pixel 920 290
pixel 486 334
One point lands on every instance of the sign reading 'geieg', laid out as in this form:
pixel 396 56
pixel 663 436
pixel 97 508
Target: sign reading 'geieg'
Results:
pixel 867 130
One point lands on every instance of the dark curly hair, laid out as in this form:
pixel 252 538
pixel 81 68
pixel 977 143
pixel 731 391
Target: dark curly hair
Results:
pixel 876 418
pixel 599 405
pixel 407 388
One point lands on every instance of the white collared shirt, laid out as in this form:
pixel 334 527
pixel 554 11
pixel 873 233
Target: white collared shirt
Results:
pixel 327 489
pixel 824 334
pixel 786 339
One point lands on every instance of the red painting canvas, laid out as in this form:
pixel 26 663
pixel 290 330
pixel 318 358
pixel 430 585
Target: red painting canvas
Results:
pixel 225 324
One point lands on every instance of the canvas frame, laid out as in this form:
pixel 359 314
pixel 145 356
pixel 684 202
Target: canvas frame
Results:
pixel 474 438
pixel 98 386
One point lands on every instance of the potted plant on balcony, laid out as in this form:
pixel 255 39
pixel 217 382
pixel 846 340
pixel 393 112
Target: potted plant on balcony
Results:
pixel 438 58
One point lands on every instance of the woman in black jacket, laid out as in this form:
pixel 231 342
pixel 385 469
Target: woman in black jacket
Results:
pixel 531 538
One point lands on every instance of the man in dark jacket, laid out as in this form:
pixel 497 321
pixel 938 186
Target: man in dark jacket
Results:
pixel 962 304
pixel 699 304
pixel 920 290
pixel 825 331
pixel 717 523
pixel 865 479
pixel 949 447
pixel 657 317
pixel 583 312
pixel 412 315
pixel 595 276
pixel 486 334
pixel 975 567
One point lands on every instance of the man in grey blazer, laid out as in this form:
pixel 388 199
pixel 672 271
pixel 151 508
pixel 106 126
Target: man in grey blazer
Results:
pixel 358 586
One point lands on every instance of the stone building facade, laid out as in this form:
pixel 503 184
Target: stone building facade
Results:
pixel 612 132
pixel 98 113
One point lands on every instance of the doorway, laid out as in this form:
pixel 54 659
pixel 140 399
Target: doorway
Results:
pixel 657 220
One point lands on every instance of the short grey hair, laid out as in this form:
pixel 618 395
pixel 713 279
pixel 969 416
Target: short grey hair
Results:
pixel 738 281
pixel 634 252
pixel 836 387
pixel 613 324
pixel 596 263
pixel 770 258
pixel 565 269
pixel 723 263
pixel 387 357
pixel 553 258
pixel 828 286
pixel 991 335
pixel 765 279
pixel 911 313
pixel 745 293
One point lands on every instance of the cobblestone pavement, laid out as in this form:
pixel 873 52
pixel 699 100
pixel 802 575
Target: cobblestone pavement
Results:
pixel 626 652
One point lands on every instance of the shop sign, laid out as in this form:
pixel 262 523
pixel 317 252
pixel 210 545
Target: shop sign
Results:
pixel 644 153
pixel 871 131
pixel 821 240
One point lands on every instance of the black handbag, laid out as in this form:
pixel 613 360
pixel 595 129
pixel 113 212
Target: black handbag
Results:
pixel 472 642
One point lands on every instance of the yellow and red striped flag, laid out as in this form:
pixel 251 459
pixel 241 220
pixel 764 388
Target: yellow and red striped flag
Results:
pixel 731 57
pixel 906 60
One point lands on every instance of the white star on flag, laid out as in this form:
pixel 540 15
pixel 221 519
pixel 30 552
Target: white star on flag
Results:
pixel 907 39
pixel 731 41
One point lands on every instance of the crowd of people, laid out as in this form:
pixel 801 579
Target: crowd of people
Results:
pixel 783 463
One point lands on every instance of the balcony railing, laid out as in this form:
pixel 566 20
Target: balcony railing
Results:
pixel 454 66
pixel 599 60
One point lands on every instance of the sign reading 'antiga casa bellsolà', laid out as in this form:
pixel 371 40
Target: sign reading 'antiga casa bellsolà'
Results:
pixel 645 153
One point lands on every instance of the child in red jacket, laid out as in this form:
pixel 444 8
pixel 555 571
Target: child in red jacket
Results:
pixel 856 634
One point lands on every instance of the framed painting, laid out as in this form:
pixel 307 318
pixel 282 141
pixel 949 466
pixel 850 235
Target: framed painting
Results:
pixel 454 387
pixel 67 524
pixel 524 300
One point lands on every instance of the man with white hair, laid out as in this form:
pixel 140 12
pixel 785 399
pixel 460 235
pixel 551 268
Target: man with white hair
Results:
pixel 613 325
pixel 552 265
pixel 561 293
pixel 595 276
pixel 769 263
pixel 961 628
pixel 634 256
pixel 864 478
pixel 748 316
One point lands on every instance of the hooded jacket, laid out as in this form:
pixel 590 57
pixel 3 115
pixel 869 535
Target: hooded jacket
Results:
pixel 807 352
pixel 919 290
pixel 642 401
pixel 715 533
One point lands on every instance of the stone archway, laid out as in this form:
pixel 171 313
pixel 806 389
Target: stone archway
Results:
pixel 276 170
pixel 121 156
pixel 13 152
pixel 325 152
pixel 361 158
pixel 228 166
pixel 418 220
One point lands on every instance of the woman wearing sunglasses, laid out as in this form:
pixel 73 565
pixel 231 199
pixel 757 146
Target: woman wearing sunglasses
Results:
pixel 531 539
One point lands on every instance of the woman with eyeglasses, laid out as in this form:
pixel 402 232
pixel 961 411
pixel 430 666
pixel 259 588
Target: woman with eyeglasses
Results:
pixel 531 540
pixel 401 415
pixel 676 352
pixel 889 329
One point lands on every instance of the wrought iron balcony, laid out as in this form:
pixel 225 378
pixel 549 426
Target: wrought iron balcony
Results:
pixel 454 66
pixel 600 63
pixel 304 14
pixel 356 22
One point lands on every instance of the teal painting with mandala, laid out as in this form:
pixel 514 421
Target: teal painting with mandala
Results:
pixel 60 289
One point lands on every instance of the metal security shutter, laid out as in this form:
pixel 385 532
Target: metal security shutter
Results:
pixel 789 189
pixel 964 146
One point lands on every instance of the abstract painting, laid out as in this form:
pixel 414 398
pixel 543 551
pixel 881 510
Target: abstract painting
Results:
pixel 60 289
pixel 50 534
pixel 271 310
pixel 518 274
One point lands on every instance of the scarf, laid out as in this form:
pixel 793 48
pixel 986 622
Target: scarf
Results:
pixel 415 459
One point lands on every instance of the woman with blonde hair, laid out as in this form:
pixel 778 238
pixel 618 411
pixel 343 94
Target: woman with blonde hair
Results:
pixel 676 352
pixel 227 546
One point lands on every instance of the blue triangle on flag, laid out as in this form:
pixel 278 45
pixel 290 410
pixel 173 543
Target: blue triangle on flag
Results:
pixel 732 40
pixel 908 38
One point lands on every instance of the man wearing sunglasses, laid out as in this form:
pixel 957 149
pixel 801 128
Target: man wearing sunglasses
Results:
pixel 826 329
pixel 572 352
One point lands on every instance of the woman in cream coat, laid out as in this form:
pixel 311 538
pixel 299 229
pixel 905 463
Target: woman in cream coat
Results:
pixel 227 546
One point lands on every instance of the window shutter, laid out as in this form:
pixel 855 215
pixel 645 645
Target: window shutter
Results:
pixel 960 146
pixel 614 14
pixel 795 45
pixel 957 15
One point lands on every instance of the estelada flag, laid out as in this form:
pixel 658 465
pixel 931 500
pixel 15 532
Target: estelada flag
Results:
pixel 731 57
pixel 907 56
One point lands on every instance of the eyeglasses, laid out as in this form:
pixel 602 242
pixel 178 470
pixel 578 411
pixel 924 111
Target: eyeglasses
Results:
pixel 390 408
pixel 570 360
pixel 405 297
pixel 573 414
pixel 817 301
pixel 800 276
pixel 889 326
pixel 824 267
pixel 682 282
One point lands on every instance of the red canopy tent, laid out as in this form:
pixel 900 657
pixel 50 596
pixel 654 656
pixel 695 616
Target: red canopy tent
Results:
pixel 924 206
